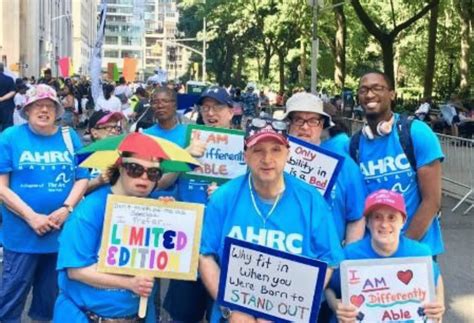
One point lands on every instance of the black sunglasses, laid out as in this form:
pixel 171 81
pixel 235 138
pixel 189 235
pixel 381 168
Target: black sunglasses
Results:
pixel 135 170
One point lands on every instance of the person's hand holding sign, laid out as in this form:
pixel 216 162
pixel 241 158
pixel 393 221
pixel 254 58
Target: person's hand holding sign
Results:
pixel 239 317
pixel 345 313
pixel 197 148
pixel 141 285
pixel 434 311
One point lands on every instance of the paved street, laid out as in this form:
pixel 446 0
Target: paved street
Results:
pixel 457 263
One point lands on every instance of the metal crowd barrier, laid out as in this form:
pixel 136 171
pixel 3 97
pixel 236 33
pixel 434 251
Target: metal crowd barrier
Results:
pixel 458 165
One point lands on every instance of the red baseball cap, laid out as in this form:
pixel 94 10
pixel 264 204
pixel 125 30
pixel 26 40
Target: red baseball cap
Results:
pixel 385 198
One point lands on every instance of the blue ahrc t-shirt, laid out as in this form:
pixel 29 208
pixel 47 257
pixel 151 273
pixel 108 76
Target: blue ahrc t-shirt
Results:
pixel 193 190
pixel 42 173
pixel 347 196
pixel 384 165
pixel 301 222
pixel 176 135
pixel 79 245
pixel 338 144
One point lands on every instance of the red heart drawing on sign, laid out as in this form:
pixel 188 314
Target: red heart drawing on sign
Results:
pixel 357 300
pixel 405 276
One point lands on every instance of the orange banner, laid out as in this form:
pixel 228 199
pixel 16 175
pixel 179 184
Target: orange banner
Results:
pixel 129 69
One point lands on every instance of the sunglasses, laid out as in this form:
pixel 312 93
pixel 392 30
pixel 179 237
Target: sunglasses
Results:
pixel 261 123
pixel 135 170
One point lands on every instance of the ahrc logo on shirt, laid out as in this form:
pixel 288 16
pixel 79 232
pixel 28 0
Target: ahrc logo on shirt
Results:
pixel 45 158
pixel 386 165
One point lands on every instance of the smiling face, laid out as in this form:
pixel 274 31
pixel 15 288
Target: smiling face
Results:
pixel 136 186
pixel 266 160
pixel 215 114
pixel 42 115
pixel 375 95
pixel 385 224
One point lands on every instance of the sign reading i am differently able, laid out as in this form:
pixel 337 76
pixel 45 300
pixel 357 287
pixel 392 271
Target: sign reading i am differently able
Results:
pixel 224 156
pixel 314 165
pixel 388 290
pixel 151 238
pixel 270 284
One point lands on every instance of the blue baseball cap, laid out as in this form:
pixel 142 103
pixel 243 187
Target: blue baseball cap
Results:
pixel 217 93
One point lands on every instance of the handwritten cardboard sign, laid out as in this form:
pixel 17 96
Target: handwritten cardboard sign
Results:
pixel 386 290
pixel 314 165
pixel 224 156
pixel 148 237
pixel 270 284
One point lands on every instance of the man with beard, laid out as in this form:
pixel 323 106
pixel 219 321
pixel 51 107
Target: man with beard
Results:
pixel 413 170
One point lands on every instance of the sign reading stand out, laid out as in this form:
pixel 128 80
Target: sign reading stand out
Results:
pixel 151 238
pixel 224 156
pixel 270 284
pixel 388 290
pixel 314 165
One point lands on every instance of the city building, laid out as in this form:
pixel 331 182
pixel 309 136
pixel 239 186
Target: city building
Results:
pixel 145 30
pixel 34 34
pixel 84 17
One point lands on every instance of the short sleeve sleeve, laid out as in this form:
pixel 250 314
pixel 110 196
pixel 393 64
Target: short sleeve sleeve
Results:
pixel 426 145
pixel 5 152
pixel 212 226
pixel 356 191
pixel 75 250
pixel 81 172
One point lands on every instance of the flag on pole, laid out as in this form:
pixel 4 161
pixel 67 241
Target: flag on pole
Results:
pixel 96 68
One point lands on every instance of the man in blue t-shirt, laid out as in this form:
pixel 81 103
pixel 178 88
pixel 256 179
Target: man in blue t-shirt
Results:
pixel 268 207
pixel 186 301
pixel 385 165
pixel 40 183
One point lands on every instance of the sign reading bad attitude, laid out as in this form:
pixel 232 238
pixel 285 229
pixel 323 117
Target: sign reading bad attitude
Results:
pixel 314 165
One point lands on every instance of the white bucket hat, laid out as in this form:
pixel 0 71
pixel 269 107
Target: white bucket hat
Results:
pixel 307 102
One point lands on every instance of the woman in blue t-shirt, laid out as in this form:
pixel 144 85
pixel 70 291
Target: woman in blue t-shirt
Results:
pixel 386 215
pixel 86 294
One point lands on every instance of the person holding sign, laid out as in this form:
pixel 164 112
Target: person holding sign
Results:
pixel 268 207
pixel 86 294
pixel 186 301
pixel 307 119
pixel 386 215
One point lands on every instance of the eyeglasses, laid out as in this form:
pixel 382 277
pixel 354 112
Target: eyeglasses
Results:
pixel 376 89
pixel 110 128
pixel 214 108
pixel 135 170
pixel 312 122
pixel 262 123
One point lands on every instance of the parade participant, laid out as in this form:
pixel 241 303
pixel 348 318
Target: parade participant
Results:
pixel 87 295
pixel 186 301
pixel 7 104
pixel 307 120
pixel 108 101
pixel 103 124
pixel 279 204
pixel 401 155
pixel 40 185
pixel 386 215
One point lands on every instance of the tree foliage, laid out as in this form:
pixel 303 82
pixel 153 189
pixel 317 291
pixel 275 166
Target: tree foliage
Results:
pixel 269 41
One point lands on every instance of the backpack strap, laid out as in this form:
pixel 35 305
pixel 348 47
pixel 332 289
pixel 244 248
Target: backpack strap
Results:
pixel 66 132
pixel 354 146
pixel 404 135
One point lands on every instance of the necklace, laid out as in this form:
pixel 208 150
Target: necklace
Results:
pixel 254 202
